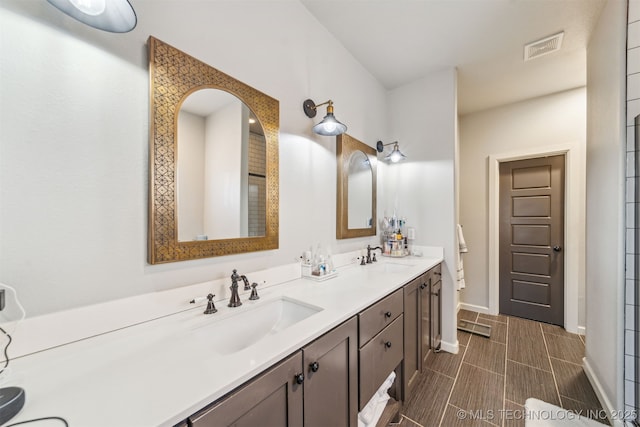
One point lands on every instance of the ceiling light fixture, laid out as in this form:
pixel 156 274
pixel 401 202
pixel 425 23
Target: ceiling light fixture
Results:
pixel 395 155
pixel 329 125
pixel 116 16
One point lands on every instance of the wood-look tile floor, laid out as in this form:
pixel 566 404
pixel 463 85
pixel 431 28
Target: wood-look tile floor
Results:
pixel 488 381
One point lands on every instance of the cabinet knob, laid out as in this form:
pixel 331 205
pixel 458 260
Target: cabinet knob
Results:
pixel 437 273
pixel 388 314
pixel 387 344
pixel 424 285
pixel 314 366
pixel 557 248
pixel 299 378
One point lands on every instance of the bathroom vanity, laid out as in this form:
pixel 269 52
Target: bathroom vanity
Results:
pixel 343 369
pixel 303 347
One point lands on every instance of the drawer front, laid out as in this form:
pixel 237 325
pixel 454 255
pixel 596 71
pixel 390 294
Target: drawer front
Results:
pixel 378 358
pixel 378 316
pixel 436 273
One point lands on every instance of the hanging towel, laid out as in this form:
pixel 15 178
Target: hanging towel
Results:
pixel 371 413
pixel 462 245
pixel 462 248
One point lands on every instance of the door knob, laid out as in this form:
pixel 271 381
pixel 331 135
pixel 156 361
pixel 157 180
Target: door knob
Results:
pixel 557 248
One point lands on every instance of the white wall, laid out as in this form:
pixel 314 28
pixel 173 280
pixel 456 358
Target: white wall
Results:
pixel 74 114
pixel 422 187
pixel 524 128
pixel 605 201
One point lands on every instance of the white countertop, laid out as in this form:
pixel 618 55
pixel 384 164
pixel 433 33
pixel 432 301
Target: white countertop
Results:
pixel 162 371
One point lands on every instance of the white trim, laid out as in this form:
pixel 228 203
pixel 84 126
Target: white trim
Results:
pixel 574 214
pixel 602 397
pixel 450 347
pixel 472 307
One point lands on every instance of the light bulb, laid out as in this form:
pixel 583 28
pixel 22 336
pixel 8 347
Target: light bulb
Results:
pixel 90 7
pixel 329 127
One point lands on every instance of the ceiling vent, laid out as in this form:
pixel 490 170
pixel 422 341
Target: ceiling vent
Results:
pixel 543 47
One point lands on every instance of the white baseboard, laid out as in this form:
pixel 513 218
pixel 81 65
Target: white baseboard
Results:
pixel 449 347
pixel 582 330
pixel 472 307
pixel 602 397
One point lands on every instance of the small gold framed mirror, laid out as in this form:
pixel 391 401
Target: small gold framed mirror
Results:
pixel 208 195
pixel 356 192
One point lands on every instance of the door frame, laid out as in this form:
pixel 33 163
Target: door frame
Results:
pixel 574 220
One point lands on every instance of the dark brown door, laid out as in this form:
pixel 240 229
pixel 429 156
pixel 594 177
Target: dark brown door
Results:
pixel 331 383
pixel 274 399
pixel 425 296
pixel 412 362
pixel 532 239
pixel 436 311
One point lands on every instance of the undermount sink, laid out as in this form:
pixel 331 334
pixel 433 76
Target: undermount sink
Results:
pixel 392 267
pixel 252 324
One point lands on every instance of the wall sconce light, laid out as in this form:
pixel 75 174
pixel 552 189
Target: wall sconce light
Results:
pixel 395 155
pixel 329 125
pixel 115 16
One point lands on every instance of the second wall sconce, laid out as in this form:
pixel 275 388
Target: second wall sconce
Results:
pixel 329 125
pixel 116 16
pixel 395 155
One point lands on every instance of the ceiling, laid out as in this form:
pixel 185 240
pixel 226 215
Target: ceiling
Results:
pixel 400 41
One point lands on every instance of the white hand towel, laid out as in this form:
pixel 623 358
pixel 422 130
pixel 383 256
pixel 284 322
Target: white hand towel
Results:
pixel 462 248
pixel 462 245
pixel 372 411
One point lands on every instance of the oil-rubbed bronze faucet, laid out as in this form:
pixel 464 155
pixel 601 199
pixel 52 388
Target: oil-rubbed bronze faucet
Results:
pixel 369 249
pixel 235 298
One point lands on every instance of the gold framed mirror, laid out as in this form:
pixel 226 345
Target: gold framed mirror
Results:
pixel 356 192
pixel 229 203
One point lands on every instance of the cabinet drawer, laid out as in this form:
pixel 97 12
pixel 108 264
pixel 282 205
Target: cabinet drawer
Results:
pixel 378 316
pixel 436 273
pixel 379 357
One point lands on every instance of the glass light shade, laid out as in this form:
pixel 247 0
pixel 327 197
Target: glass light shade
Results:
pixel 395 155
pixel 90 7
pixel 329 126
pixel 116 16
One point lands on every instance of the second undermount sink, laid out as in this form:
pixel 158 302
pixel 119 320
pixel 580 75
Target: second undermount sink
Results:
pixel 391 267
pixel 252 324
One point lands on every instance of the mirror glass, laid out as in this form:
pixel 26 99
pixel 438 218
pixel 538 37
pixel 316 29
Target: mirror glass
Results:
pixel 360 186
pixel 221 168
pixel 356 190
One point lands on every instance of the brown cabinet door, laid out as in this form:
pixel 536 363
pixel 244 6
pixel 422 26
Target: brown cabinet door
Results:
pixel 412 363
pixel 274 399
pixel 331 378
pixel 425 341
pixel 436 313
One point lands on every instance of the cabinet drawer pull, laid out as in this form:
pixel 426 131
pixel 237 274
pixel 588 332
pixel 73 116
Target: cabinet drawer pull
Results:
pixel 299 378
pixel 387 344
pixel 388 314
pixel 314 366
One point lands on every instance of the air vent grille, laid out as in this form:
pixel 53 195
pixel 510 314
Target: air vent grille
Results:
pixel 543 47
